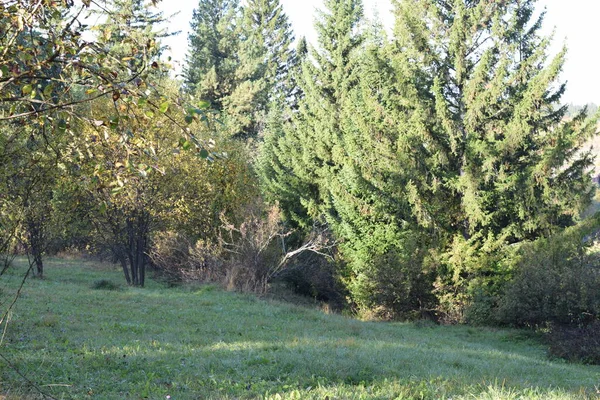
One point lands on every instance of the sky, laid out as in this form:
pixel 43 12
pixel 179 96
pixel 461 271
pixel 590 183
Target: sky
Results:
pixel 575 23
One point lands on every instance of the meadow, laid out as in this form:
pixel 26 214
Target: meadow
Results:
pixel 77 338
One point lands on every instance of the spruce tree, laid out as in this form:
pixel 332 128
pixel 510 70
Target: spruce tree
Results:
pixel 238 60
pixel 486 132
pixel 212 59
pixel 265 53
pixel 308 148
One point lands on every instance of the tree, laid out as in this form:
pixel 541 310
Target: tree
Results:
pixel 266 52
pixel 308 144
pixel 306 163
pixel 211 61
pixel 238 60
pixel 496 162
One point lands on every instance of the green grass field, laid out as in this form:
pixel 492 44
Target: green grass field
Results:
pixel 77 342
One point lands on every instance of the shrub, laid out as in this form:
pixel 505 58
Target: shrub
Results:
pixel 471 274
pixel 176 258
pixel 252 250
pixel 312 275
pixel 557 281
pixel 105 284
pixel 577 344
pixel 388 275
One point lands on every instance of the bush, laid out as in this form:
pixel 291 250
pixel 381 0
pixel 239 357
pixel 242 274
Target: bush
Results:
pixel 105 284
pixel 176 258
pixel 557 281
pixel 312 275
pixel 471 274
pixel 388 275
pixel 577 344
pixel 252 249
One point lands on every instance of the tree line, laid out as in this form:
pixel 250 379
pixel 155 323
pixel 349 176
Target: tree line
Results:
pixel 426 171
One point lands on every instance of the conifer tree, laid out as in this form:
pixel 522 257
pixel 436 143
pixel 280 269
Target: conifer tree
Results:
pixel 307 145
pixel 212 58
pixel 239 59
pixel 265 53
pixel 494 161
pixel 293 92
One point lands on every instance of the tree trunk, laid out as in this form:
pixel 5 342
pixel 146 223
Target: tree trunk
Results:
pixel 36 244
pixel 123 262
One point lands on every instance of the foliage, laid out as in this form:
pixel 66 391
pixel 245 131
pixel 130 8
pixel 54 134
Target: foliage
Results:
pixel 315 277
pixel 238 61
pixel 253 250
pixel 53 67
pixel 198 341
pixel 576 343
pixel 265 52
pixel 486 129
pixel 210 63
pixel 556 281
pixel 177 260
pixel 105 284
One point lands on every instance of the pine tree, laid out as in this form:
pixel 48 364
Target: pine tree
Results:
pixel 486 132
pixel 264 55
pixel 212 60
pixel 313 133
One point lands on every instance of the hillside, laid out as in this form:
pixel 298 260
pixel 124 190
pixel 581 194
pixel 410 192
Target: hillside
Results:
pixel 77 342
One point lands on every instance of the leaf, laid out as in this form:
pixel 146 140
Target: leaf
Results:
pixel 189 119
pixel 62 125
pixel 86 2
pixel 203 153
pixel 27 89
pixel 48 90
pixel 203 104
pixel 114 122
pixel 164 107
pixel 149 114
pixel 116 95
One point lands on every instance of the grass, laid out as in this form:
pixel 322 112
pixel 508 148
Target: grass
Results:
pixel 77 342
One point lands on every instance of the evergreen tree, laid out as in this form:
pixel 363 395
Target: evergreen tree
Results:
pixel 307 146
pixel 239 59
pixel 264 55
pixel 496 162
pixel 212 59
pixel 268 42
pixel 293 93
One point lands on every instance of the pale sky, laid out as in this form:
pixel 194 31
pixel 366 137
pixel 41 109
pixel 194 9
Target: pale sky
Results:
pixel 576 23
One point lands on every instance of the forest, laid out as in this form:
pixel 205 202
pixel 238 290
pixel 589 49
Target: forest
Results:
pixel 430 172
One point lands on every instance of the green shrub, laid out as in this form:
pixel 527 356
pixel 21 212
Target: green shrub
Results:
pixel 105 284
pixel 578 344
pixel 312 275
pixel 557 280
pixel 388 275
pixel 471 274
